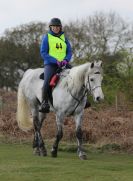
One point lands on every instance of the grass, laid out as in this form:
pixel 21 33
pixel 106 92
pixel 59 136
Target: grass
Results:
pixel 18 164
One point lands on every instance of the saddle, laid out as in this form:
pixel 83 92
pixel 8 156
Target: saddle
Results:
pixel 55 78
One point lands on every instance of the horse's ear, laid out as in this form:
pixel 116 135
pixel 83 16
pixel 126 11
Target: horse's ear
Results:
pixel 92 65
pixel 99 63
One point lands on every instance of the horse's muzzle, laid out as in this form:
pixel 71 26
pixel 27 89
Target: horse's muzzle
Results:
pixel 99 98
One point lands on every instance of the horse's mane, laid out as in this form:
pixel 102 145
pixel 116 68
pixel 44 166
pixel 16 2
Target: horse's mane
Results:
pixel 75 77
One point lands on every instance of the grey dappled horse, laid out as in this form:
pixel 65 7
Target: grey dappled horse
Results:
pixel 69 98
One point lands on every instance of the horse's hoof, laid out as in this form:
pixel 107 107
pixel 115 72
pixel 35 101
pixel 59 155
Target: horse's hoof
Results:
pixel 54 153
pixel 83 157
pixel 40 152
pixel 43 152
pixel 36 152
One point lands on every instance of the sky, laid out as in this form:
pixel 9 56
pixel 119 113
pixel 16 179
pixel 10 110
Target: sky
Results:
pixel 17 12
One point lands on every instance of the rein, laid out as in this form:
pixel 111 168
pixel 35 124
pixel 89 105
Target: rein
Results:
pixel 79 100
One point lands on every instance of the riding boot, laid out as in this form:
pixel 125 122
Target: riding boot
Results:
pixel 44 108
pixel 88 104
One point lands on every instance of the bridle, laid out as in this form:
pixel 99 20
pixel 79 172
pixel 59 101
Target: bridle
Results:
pixel 90 89
pixel 85 92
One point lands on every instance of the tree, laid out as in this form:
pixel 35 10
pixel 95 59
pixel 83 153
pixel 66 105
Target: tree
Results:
pixel 100 36
pixel 19 50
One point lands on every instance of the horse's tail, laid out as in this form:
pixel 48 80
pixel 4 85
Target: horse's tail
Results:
pixel 23 112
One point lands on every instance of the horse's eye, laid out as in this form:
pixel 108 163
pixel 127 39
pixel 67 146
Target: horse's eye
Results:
pixel 91 79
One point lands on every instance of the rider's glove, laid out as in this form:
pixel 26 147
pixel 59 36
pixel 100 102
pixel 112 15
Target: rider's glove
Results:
pixel 59 63
pixel 64 63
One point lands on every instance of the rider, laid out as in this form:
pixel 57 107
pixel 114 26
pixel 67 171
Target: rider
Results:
pixel 56 52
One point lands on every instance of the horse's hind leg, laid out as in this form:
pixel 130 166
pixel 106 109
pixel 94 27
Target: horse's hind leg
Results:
pixel 78 119
pixel 38 144
pixel 59 135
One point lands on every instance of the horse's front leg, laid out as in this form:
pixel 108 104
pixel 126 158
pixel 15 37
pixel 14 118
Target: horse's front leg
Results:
pixel 78 120
pixel 59 135
pixel 38 144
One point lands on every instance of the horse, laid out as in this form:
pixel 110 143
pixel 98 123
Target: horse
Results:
pixel 69 99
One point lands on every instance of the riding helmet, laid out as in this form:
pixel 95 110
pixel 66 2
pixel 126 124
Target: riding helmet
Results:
pixel 55 22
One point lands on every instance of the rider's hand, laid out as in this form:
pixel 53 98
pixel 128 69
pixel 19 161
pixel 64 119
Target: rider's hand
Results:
pixel 59 63
pixel 64 63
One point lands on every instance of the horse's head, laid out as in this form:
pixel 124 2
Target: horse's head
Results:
pixel 93 81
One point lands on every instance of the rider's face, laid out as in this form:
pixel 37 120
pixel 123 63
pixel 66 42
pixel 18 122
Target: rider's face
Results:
pixel 56 29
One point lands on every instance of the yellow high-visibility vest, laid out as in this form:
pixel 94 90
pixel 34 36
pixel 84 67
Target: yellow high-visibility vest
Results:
pixel 57 47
